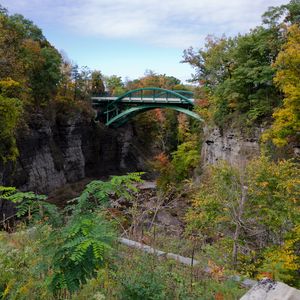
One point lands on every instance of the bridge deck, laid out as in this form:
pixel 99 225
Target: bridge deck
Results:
pixel 139 100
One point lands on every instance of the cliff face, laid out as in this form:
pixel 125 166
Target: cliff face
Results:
pixel 53 153
pixel 67 150
pixel 231 145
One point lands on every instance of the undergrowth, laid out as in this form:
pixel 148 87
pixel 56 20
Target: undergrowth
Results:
pixel 73 254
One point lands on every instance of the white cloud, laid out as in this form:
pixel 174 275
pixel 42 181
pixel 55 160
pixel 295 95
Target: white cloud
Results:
pixel 171 23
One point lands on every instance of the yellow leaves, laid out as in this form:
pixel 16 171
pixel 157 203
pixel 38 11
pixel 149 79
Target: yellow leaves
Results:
pixel 288 60
pixel 217 272
pixel 282 261
pixel 8 83
pixel 264 184
pixel 27 288
pixel 8 288
pixel 287 118
pixel 293 185
pixel 284 257
pixel 9 87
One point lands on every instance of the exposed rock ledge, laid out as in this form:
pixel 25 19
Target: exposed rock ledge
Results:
pixel 231 145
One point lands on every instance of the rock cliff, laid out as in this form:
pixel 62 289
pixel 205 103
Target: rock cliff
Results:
pixel 232 145
pixel 64 150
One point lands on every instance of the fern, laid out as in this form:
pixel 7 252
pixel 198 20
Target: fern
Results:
pixel 84 244
pixel 6 191
pixel 32 206
pixel 86 240
pixel 73 253
pixel 98 192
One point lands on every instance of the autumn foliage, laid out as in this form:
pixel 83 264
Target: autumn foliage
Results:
pixel 286 126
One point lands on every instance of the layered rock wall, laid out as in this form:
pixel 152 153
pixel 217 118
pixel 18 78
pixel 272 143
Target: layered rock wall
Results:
pixel 65 150
pixel 54 153
pixel 232 145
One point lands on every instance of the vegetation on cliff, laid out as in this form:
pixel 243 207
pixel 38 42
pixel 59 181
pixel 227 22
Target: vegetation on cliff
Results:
pixel 286 124
pixel 241 79
pixel 34 77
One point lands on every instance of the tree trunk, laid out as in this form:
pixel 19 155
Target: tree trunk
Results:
pixel 238 226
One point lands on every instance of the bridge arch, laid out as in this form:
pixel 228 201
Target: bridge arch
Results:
pixel 116 111
pixel 128 114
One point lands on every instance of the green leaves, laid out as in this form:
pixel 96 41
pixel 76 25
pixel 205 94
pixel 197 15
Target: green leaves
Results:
pixel 6 191
pixel 97 192
pixel 72 250
pixel 185 159
pixel 255 208
pixel 83 245
pixel 114 85
pixel 10 112
pixel 32 206
pixel 85 242
pixel 236 74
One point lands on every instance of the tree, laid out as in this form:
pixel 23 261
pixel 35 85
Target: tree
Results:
pixel 28 58
pixel 151 79
pixel 43 70
pixel 28 28
pixel 290 13
pixel 254 208
pixel 97 85
pixel 286 126
pixel 213 63
pixel 10 111
pixel 10 50
pixel 237 73
pixel 76 79
pixel 65 87
pixel 3 10
pixel 114 85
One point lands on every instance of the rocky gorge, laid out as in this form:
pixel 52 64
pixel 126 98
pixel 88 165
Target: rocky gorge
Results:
pixel 55 152
pixel 64 150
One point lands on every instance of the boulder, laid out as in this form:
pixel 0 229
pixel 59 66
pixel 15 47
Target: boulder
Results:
pixel 267 289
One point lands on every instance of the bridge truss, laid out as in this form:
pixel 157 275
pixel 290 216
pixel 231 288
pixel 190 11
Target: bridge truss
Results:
pixel 115 111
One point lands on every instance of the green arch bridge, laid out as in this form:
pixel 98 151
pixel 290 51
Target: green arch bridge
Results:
pixel 115 111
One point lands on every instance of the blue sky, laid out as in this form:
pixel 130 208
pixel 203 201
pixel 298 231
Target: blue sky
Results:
pixel 127 37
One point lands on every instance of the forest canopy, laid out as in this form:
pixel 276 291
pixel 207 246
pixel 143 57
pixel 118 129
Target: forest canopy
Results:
pixel 251 78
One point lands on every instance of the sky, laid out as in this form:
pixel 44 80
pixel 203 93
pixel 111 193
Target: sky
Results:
pixel 128 37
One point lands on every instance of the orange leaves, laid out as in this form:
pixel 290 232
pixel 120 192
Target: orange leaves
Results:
pixel 219 296
pixel 159 115
pixel 268 275
pixel 162 159
pixel 202 102
pixel 216 271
